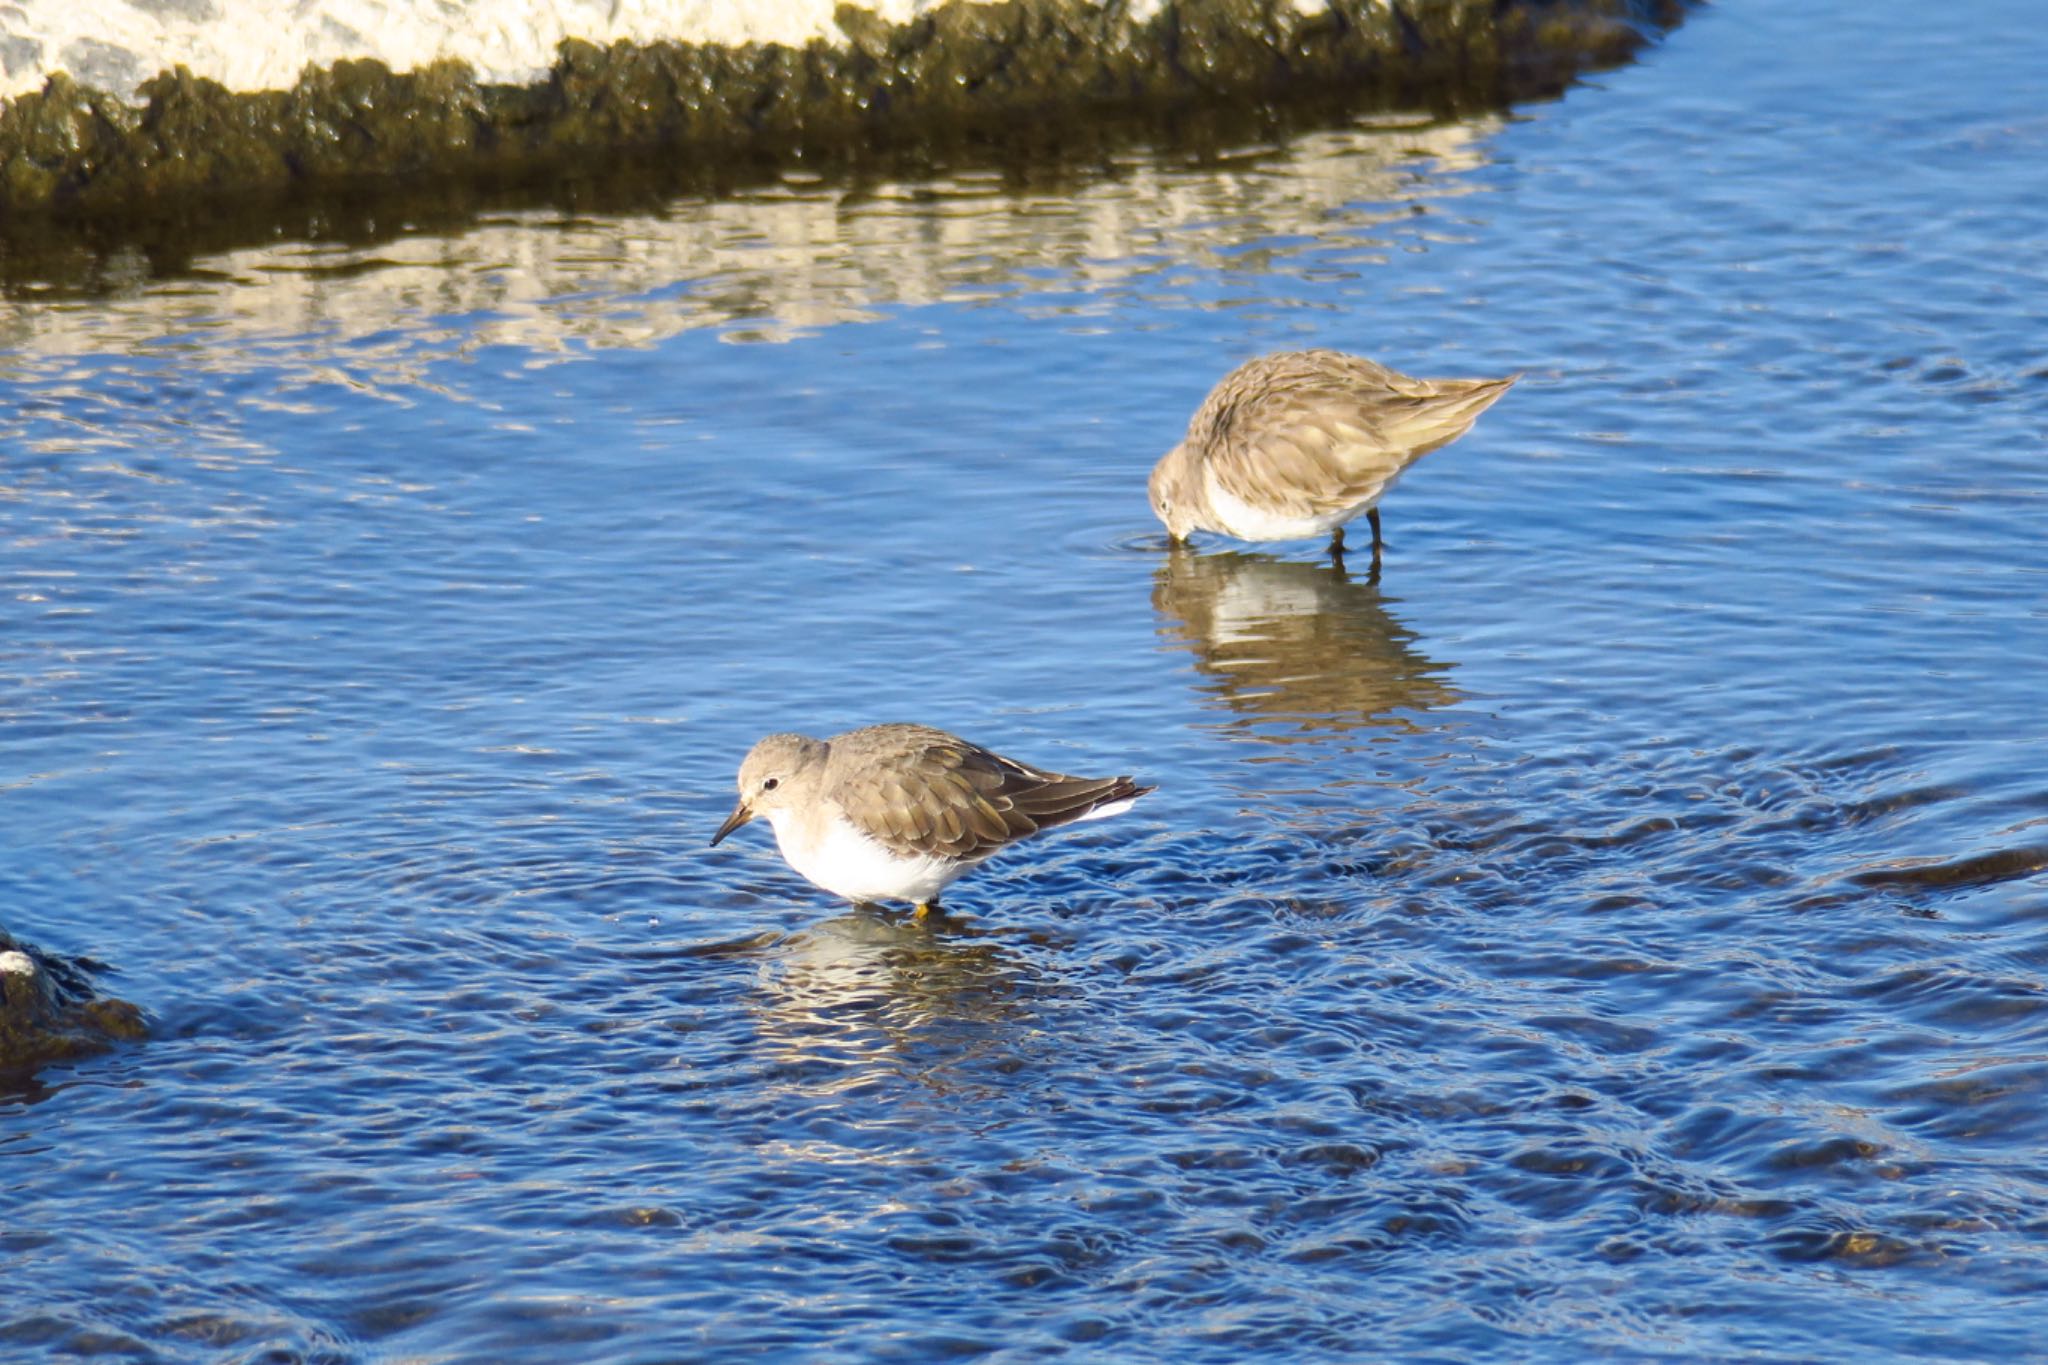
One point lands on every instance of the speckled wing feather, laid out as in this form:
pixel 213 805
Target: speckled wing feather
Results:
pixel 1304 433
pixel 922 792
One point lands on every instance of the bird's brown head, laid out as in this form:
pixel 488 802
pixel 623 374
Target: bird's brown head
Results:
pixel 1176 498
pixel 776 773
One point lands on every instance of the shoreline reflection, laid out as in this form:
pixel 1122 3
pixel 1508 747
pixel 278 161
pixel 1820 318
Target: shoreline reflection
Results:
pixel 775 261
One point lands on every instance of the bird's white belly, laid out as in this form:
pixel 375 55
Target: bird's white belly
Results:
pixel 1236 517
pixel 831 853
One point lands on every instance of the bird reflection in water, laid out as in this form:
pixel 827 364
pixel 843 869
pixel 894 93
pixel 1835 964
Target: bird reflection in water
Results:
pixel 872 992
pixel 1282 641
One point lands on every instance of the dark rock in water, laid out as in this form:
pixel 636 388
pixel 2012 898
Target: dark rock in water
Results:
pixel 50 1013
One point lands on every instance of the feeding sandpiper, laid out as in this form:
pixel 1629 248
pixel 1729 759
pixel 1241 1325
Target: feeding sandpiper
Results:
pixel 1298 443
pixel 898 812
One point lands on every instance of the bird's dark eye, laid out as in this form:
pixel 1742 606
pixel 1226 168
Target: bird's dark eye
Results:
pixel 770 784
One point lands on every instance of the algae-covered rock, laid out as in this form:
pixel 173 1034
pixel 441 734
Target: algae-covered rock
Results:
pixel 196 134
pixel 57 140
pixel 1039 73
pixel 50 1013
pixel 358 118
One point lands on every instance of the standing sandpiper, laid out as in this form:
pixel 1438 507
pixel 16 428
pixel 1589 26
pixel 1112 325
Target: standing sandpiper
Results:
pixel 1298 443
pixel 897 812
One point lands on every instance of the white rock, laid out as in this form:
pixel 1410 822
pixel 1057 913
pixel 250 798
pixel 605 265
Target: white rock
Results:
pixel 13 963
pixel 264 44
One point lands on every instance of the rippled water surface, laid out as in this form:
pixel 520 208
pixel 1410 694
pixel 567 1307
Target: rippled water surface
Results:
pixel 1620 930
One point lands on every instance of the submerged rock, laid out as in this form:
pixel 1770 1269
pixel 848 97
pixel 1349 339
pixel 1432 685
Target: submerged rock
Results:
pixel 1042 74
pixel 49 1012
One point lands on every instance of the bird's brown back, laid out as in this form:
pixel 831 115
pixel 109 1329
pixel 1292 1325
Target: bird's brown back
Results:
pixel 920 791
pixel 1305 432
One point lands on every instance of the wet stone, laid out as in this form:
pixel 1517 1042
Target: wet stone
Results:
pixel 50 1013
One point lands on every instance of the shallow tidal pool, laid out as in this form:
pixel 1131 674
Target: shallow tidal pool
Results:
pixel 1620 930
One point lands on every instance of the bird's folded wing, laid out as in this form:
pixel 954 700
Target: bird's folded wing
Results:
pixel 942 797
pixel 1320 450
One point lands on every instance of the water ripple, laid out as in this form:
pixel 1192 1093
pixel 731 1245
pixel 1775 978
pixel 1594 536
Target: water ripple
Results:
pixel 1618 928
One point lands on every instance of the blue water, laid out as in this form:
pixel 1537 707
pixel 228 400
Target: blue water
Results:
pixel 1621 930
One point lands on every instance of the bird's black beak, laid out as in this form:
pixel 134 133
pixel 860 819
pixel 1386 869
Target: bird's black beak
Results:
pixel 740 815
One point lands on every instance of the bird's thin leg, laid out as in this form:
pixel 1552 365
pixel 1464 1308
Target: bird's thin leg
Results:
pixel 925 909
pixel 1337 545
pixel 1372 516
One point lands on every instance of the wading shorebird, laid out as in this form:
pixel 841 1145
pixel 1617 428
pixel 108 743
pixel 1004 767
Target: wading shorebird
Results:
pixel 898 812
pixel 1298 443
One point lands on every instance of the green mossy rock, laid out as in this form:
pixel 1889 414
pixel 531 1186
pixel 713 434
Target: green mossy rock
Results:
pixel 1039 73
pixel 49 1013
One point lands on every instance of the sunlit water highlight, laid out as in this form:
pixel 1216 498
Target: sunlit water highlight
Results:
pixel 1618 930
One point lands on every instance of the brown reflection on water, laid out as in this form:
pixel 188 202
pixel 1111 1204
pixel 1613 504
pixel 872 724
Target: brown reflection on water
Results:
pixel 776 261
pixel 868 989
pixel 1305 645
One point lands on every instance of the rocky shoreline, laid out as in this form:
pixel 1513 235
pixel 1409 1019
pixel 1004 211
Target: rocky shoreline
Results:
pixel 1042 74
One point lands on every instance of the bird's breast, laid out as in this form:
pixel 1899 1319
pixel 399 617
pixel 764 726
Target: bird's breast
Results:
pixel 1252 520
pixel 831 852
